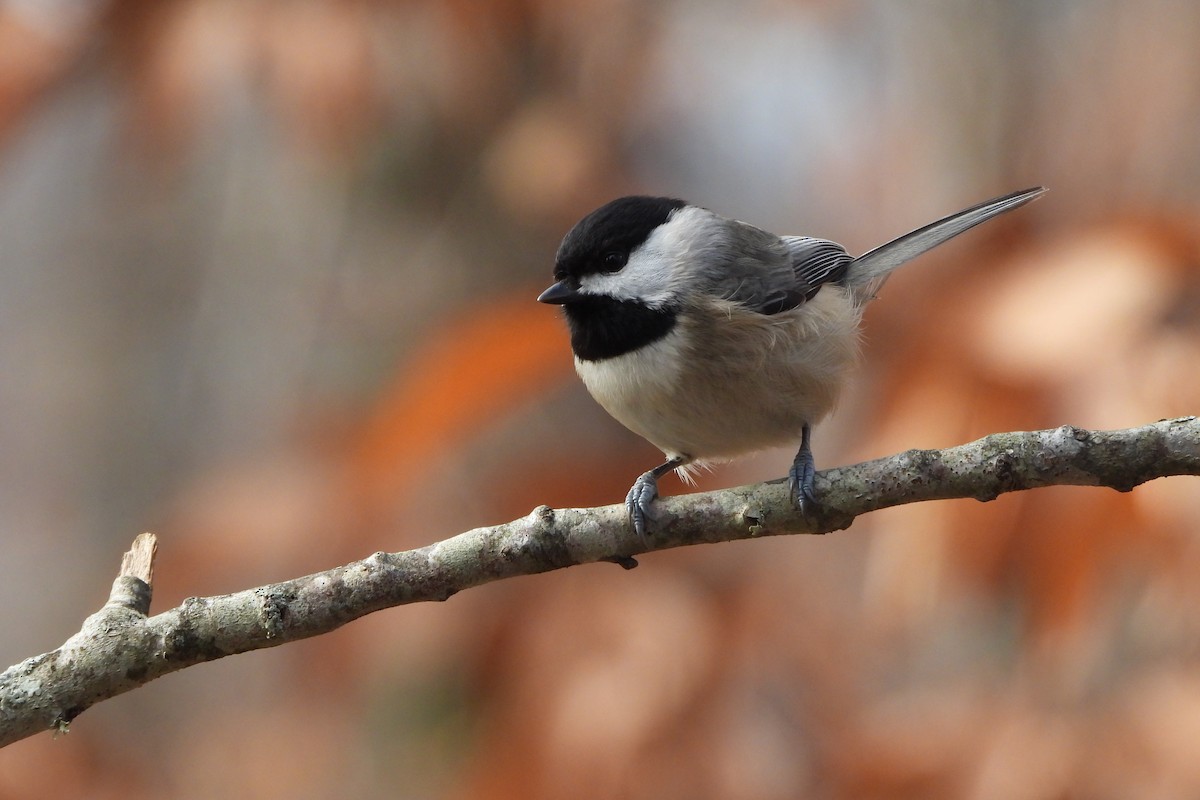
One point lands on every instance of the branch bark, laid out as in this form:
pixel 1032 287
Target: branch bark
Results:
pixel 120 647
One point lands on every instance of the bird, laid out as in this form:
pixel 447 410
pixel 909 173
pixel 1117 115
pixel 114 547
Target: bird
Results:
pixel 712 338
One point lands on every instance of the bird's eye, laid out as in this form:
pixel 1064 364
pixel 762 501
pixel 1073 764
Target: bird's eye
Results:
pixel 612 262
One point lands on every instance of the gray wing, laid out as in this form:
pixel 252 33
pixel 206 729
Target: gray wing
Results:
pixel 816 262
pixel 811 263
pixel 771 274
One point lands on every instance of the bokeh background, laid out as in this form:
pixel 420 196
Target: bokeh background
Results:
pixel 267 272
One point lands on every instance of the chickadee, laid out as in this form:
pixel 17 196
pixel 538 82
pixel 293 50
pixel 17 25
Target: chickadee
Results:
pixel 711 338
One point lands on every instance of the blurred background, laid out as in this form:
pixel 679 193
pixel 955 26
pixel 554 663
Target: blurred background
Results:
pixel 267 274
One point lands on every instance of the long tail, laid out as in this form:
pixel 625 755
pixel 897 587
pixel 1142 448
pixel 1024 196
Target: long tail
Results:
pixel 867 272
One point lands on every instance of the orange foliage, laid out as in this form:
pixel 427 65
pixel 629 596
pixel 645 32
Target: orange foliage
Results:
pixel 490 360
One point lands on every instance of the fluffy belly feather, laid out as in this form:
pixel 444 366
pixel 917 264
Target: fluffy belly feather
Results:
pixel 728 381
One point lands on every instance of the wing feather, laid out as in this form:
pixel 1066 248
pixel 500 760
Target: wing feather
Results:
pixel 771 274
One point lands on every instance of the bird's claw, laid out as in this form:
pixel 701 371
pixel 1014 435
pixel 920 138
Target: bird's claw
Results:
pixel 802 476
pixel 637 502
pixel 801 480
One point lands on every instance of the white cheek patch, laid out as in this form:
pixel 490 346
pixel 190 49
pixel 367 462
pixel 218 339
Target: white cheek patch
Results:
pixel 656 272
pixel 645 277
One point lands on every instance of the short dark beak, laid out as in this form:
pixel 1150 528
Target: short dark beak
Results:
pixel 558 294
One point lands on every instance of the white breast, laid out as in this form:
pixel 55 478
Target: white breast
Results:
pixel 728 381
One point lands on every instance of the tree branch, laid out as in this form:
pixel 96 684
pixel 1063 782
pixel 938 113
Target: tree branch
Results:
pixel 120 647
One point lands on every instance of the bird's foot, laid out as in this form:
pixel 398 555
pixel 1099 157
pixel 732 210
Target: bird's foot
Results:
pixel 644 491
pixel 802 475
pixel 637 502
pixel 800 479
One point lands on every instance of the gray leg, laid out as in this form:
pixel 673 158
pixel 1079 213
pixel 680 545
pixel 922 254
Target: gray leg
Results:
pixel 802 473
pixel 644 490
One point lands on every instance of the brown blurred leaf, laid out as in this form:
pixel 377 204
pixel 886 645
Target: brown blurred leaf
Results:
pixel 479 366
pixel 30 61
